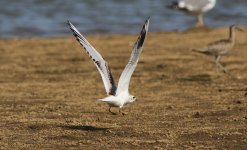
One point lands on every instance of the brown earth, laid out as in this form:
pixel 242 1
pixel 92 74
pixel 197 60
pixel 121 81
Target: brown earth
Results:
pixel 49 89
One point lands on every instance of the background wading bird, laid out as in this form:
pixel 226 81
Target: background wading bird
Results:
pixel 220 47
pixel 117 96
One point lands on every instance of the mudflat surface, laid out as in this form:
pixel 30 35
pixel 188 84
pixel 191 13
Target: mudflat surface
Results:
pixel 49 90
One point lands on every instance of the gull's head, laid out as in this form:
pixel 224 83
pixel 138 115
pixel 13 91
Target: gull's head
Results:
pixel 132 98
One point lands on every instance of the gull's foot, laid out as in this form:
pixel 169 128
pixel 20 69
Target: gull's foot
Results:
pixel 119 112
pixel 123 113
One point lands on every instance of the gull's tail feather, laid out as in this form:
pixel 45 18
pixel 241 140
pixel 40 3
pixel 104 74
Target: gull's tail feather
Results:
pixel 103 100
pixel 100 100
pixel 106 99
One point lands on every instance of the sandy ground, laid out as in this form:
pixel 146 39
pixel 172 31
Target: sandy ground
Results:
pixel 49 89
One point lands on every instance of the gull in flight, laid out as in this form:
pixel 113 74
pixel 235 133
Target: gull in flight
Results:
pixel 118 96
pixel 220 47
pixel 194 8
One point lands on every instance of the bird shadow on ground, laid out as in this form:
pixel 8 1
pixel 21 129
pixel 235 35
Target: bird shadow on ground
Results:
pixel 83 128
pixel 198 78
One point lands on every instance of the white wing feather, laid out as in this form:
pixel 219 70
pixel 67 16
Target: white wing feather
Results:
pixel 98 60
pixel 124 80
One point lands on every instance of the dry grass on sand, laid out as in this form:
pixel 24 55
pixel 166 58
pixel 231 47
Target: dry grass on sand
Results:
pixel 49 89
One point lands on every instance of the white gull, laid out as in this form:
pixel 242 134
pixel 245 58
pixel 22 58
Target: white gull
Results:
pixel 117 96
pixel 194 8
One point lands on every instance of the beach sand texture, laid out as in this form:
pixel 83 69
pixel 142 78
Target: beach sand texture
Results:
pixel 49 90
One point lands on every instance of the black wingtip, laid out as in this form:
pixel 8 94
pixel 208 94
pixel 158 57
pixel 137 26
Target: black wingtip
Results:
pixel 145 26
pixel 68 22
pixel 142 39
pixel 143 34
pixel 147 21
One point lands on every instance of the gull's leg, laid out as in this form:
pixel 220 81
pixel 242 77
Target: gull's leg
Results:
pixel 199 21
pixel 120 112
pixel 111 111
pixel 217 61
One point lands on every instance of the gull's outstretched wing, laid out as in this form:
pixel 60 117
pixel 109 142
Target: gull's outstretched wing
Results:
pixel 123 83
pixel 98 60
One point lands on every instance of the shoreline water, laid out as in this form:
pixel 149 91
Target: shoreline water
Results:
pixel 35 18
pixel 189 30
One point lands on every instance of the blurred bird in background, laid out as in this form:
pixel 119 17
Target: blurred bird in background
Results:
pixel 195 8
pixel 220 47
